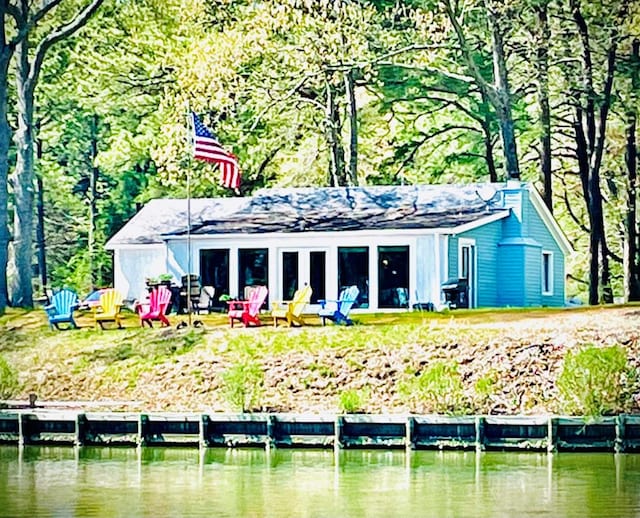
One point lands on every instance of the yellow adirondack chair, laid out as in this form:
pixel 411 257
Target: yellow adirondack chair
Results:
pixel 109 309
pixel 291 310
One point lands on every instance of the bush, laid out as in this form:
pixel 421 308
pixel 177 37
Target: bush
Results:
pixel 439 388
pixel 486 387
pixel 9 385
pixel 596 381
pixel 243 384
pixel 352 401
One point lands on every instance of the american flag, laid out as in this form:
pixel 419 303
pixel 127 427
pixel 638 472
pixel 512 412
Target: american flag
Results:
pixel 206 147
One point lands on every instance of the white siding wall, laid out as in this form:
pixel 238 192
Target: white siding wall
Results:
pixel 133 265
pixel 427 260
pixel 423 275
pixel 431 267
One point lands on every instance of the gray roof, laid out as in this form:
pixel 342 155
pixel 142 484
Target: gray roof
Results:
pixel 311 210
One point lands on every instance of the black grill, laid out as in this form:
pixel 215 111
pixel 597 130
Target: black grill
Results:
pixel 456 293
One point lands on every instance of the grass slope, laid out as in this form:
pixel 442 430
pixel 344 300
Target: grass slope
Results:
pixel 306 369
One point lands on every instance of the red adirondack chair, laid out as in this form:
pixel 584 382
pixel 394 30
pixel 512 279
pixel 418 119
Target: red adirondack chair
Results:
pixel 246 311
pixel 155 309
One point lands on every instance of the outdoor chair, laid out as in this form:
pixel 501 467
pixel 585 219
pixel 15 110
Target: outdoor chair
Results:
pixel 247 311
pixel 291 310
pixel 60 311
pixel 156 307
pixel 109 308
pixel 206 300
pixel 338 310
pixel 190 291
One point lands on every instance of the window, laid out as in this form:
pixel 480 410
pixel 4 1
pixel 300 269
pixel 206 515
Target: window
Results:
pixel 353 268
pixel 393 276
pixel 317 274
pixel 252 268
pixel 289 274
pixel 547 273
pixel 214 271
pixel 465 252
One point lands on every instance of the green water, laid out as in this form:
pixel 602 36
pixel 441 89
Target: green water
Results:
pixel 157 482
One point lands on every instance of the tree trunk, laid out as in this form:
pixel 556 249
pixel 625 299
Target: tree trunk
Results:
pixel 352 174
pixel 488 154
pixel 21 290
pixel 26 79
pixel 631 260
pixel 498 94
pixel 488 139
pixel 93 198
pixel 542 68
pixel 5 139
pixel 590 125
pixel 503 96
pixel 40 234
pixel 336 151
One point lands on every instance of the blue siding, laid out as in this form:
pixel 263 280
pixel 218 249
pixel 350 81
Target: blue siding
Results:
pixel 453 257
pixel 509 257
pixel 512 226
pixel 538 231
pixel 486 237
pixel 511 260
pixel 532 276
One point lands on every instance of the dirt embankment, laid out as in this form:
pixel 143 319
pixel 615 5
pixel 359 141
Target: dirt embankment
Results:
pixel 181 370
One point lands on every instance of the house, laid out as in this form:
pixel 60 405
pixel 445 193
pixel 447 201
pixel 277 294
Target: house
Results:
pixel 487 245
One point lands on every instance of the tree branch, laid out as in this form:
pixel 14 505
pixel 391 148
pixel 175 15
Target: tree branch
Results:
pixel 78 21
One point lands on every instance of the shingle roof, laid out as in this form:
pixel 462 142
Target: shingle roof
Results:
pixel 310 209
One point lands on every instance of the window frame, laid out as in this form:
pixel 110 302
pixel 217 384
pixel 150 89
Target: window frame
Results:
pixel 547 273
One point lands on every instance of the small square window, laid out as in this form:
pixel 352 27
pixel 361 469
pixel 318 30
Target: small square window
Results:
pixel 547 273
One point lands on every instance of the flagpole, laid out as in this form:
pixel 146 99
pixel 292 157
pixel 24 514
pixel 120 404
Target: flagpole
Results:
pixel 190 132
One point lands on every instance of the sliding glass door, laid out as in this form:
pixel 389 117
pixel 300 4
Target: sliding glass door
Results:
pixel 303 267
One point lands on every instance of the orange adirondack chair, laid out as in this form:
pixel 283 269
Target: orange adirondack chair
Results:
pixel 246 311
pixel 155 309
pixel 109 308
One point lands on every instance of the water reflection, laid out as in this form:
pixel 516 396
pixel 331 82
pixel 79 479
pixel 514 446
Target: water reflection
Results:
pixel 63 481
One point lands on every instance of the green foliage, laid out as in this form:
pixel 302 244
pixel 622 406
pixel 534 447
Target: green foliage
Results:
pixel 114 100
pixel 190 340
pixel 243 384
pixel 596 381
pixel 485 386
pixel 439 388
pixel 9 385
pixel 352 401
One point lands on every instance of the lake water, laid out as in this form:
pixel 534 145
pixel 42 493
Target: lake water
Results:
pixel 157 482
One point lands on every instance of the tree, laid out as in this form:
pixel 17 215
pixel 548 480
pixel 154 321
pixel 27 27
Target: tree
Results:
pixel 631 249
pixel 28 70
pixel 591 110
pixel 7 47
pixel 498 92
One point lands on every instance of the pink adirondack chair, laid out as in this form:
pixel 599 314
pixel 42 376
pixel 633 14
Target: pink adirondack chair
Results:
pixel 155 309
pixel 246 311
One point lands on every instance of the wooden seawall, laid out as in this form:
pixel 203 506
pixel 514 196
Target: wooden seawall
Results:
pixel 546 433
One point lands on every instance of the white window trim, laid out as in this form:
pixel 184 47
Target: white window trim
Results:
pixel 549 274
pixel 462 242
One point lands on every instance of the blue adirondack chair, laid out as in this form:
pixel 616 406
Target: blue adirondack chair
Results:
pixel 338 310
pixel 60 311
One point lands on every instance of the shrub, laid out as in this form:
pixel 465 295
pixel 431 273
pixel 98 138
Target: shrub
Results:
pixel 352 401
pixel 190 340
pixel 439 388
pixel 243 384
pixel 596 381
pixel 9 385
pixel 485 387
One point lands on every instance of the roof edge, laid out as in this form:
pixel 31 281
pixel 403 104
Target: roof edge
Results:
pixel 548 219
pixel 501 214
